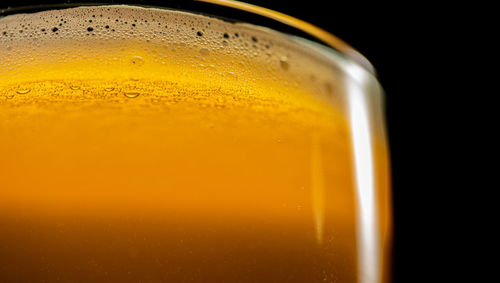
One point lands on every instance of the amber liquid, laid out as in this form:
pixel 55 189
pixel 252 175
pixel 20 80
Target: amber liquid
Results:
pixel 143 170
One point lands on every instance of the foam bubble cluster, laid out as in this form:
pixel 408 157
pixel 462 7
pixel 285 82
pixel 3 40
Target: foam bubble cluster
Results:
pixel 127 41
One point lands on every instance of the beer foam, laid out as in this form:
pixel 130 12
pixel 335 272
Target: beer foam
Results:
pixel 113 35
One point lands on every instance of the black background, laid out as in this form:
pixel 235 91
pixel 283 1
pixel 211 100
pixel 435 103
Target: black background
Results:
pixel 396 39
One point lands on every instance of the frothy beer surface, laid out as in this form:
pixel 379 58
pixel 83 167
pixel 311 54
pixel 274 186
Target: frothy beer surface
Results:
pixel 149 145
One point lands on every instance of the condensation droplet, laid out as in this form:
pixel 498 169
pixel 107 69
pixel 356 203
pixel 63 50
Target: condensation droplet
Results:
pixel 137 60
pixel 131 94
pixel 23 90
pixel 284 63
pixel 204 52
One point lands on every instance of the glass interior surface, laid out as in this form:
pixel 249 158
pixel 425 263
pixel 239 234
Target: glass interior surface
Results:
pixel 187 143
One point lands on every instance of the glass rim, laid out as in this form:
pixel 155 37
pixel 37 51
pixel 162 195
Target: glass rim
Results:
pixel 323 36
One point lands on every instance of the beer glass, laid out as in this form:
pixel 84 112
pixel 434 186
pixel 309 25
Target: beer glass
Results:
pixel 191 141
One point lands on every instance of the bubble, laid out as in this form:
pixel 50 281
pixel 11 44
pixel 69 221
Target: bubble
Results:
pixel 204 51
pixel 329 88
pixel 108 89
pixel 284 63
pixel 131 94
pixel 231 76
pixel 137 60
pixel 74 87
pixel 23 90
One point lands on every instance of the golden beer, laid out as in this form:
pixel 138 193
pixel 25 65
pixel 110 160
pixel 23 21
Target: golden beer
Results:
pixel 152 145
